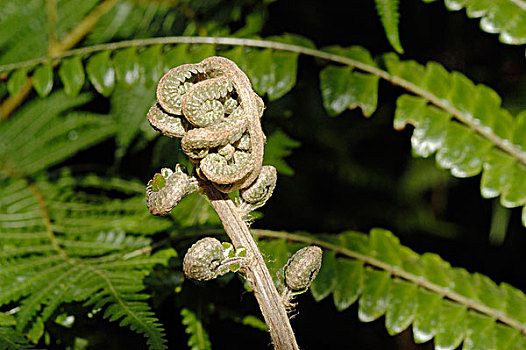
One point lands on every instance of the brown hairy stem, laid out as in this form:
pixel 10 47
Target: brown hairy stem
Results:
pixel 256 272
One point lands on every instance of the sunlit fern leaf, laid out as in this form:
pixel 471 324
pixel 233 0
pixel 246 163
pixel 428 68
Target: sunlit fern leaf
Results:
pixel 10 339
pixel 59 244
pixel 198 339
pixel 59 135
pixel 388 12
pixel 504 17
pixel 101 73
pixel 439 301
pixel 462 122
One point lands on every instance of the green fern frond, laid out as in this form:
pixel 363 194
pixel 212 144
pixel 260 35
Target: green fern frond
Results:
pixel 439 301
pixel 198 337
pixel 388 12
pixel 21 39
pixel 137 18
pixel 10 339
pixel 23 153
pixel 129 106
pixel 483 136
pixel 504 17
pixel 59 244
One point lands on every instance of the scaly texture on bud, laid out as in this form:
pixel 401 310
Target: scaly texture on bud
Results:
pixel 302 268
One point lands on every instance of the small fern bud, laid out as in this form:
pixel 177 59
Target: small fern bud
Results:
pixel 167 188
pixel 203 260
pixel 261 190
pixel 302 268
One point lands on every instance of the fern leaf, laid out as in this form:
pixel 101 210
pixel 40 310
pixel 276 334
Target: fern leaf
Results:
pixel 43 79
pixel 23 39
pixel 462 122
pixel 23 153
pixel 16 81
pixel 343 88
pixel 71 73
pixel 271 72
pixel 101 73
pixel 198 337
pixel 439 301
pixel 388 12
pixel 504 17
pixel 10 339
pixel 71 254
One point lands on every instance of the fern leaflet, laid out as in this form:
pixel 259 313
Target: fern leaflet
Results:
pixel 10 339
pixel 388 12
pixel 198 337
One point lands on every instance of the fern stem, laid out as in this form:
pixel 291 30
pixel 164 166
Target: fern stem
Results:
pixel 446 292
pixel 270 303
pixel 486 133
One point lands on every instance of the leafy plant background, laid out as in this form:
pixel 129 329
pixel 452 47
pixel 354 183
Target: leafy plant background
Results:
pixel 336 174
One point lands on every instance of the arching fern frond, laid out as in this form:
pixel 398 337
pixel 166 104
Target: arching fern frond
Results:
pixel 61 243
pixel 504 17
pixel 441 302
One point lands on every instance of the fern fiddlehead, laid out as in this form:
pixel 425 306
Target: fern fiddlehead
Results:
pixel 213 109
pixel 167 188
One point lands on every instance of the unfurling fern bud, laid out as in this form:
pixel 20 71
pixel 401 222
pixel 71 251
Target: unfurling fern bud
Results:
pixel 259 192
pixel 203 260
pixel 167 188
pixel 302 268
pixel 208 258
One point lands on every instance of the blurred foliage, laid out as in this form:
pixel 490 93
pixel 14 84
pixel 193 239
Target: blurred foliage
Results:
pixel 78 246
